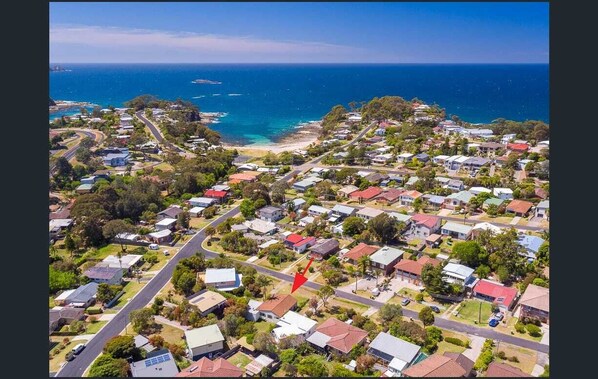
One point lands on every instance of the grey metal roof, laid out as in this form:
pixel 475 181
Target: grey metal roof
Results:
pixel 339 208
pixel 84 293
pixel 325 246
pixel 457 228
pixel 162 365
pixel 395 347
pixel 386 255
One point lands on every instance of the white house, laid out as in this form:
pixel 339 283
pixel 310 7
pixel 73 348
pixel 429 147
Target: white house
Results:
pixel 440 159
pixel 382 158
pixel 316 210
pixel 405 157
pixel 455 230
pixel 478 190
pixel 455 273
pixel 166 223
pixel 203 202
pixel 503 193
pixel 294 324
pixel 261 227
pixel 204 341
pixel 224 279
pixel 368 213
pixel 542 209
pixel 398 354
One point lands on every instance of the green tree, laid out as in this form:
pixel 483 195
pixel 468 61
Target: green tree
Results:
pixel 324 293
pixel 60 280
pixel 390 313
pixel 107 292
pixel 247 208
pixel 312 366
pixel 470 253
pixel 492 210
pixel 121 347
pixel 365 363
pixel 210 231
pixel 141 319
pixel 384 227
pixel 105 366
pixel 353 226
pixel 69 244
pixel 433 279
pixel 115 227
pixel 364 263
pixel 182 220
pixel 426 315
pixel 264 342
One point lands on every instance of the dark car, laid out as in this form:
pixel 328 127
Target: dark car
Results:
pixel 493 322
pixel 405 302
pixel 435 309
pixel 70 356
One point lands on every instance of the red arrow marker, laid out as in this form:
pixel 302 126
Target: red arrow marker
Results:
pixel 300 278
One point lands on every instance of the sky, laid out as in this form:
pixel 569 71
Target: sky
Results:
pixel 299 32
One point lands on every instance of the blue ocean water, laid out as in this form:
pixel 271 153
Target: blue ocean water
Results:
pixel 265 102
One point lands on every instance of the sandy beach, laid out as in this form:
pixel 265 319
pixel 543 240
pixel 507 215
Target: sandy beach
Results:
pixel 299 139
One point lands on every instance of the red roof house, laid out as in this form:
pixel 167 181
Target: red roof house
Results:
pixel 304 244
pixel 334 334
pixel 412 270
pixel 205 368
pixel 359 251
pixel 366 194
pixel 220 195
pixel 518 147
pixel 519 207
pixel 500 295
pixel 292 239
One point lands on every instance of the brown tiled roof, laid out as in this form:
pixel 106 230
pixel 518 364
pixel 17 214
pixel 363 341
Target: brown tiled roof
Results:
pixel 428 221
pixel 503 370
pixel 206 368
pixel 466 363
pixel 360 250
pixel 519 206
pixel 536 297
pixel 410 266
pixel 392 194
pixel 279 305
pixel 436 366
pixel 343 336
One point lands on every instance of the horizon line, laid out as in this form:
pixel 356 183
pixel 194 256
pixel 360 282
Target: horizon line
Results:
pixel 313 63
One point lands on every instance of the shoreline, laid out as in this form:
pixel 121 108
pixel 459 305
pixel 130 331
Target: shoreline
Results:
pixel 297 139
pixel 62 105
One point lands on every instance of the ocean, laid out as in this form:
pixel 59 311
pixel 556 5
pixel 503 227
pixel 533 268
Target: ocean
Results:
pixel 263 103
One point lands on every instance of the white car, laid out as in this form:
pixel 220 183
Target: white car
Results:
pixel 79 348
pixel 166 253
pixel 154 246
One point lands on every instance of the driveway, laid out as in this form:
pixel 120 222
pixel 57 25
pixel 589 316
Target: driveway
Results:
pixel 476 347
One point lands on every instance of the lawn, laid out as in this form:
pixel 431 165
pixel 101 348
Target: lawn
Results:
pixel 131 288
pixel 240 360
pixel 265 263
pixel 264 326
pixel 162 261
pixel 94 327
pixel 449 347
pixel 215 247
pixel 164 166
pixel 198 222
pixel 509 328
pixel 57 360
pixel 527 358
pixel 171 334
pixel 470 312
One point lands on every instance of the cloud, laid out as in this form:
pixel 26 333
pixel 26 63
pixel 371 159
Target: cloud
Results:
pixel 64 38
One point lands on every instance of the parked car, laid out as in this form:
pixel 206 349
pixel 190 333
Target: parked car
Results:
pixel 79 348
pixel 499 316
pixel 493 322
pixel 166 253
pixel 435 309
pixel 154 246
pixel 69 356
pixel 405 302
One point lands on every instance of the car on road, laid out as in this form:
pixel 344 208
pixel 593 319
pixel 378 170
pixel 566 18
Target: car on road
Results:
pixel 79 348
pixel 435 309
pixel 69 356
pixel 493 322
pixel 405 302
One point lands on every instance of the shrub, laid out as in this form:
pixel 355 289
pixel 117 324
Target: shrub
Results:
pixel 311 269
pixel 419 297
pixel 501 354
pixel 514 359
pixel 533 330
pixel 520 327
pixel 309 313
pixel 454 341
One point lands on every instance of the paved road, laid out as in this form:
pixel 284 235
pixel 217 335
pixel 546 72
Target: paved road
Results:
pixel 97 136
pixel 78 366
pixel 158 136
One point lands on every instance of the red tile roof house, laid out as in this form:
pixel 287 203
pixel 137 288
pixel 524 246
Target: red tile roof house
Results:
pixel 352 256
pixel 503 370
pixel 365 195
pixel 304 244
pixel 205 368
pixel 411 271
pixel 423 225
pixel 334 335
pixel 448 365
pixel 390 196
pixel 292 239
pixel 519 207
pixel 518 147
pixel 272 310
pixel 503 297
pixel 218 195
pixel 408 197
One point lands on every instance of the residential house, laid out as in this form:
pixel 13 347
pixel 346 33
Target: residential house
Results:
pixel 161 237
pixel 84 188
pixel 423 225
pixel 81 297
pixel 454 162
pixel 161 364
pixel 203 202
pixel 398 354
pixel 375 177
pixel 274 308
pixel 324 249
pixel 434 202
pixel 336 336
pixel 518 147
pixel 535 303
pixel 455 273
pixel 306 221
pixel 292 239
pixel 340 212
pixel 440 159
pixel 318 211
pixel 126 262
pixel 490 148
pixel 220 196
pixel 507 138
pixel 397 178
pixel 382 158
pixel 196 211
pixel 456 230
pixel 455 185
pixel 493 200
pixel 531 244
pixel 365 195
pixel 89 180
pixel 433 240
pixel 368 213
pixel 385 259
pixel 404 218
pixel 478 190
pixel 477 228
pixel 166 223
pixel 519 207
pixel 204 341
pixel 58 226
pixel 541 193
pixel 64 316
pixel 411 182
pixel 247 167
pixel 459 199
pixel 270 213
pixel 207 301
pixel 171 212
pixel 447 365
pixel 246 177
pixel 117 159
pixel 296 204
pixel 304 244
pixel 422 157
pixel 346 191
pixel 542 209
pixel 224 279
pixel 257 365
pixel 206 368
pixel 476 132
pixel 411 271
pixel 389 196
pixel 294 324
pixel 303 185
pixel 362 249
pixel 405 157
pixel 408 197
pixel 503 297
pixel 503 370
pixel 261 227
pixel 99 274
pixel 475 163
